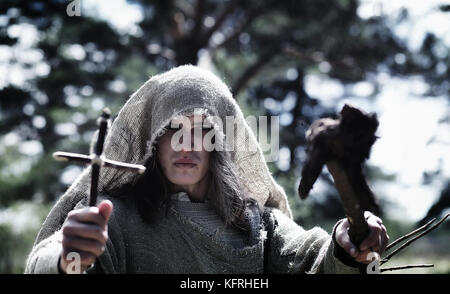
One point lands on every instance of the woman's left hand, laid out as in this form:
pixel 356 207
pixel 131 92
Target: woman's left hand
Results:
pixel 376 241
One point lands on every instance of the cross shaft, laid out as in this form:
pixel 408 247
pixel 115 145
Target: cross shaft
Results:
pixel 96 160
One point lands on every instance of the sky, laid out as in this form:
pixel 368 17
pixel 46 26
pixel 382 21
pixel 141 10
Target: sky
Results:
pixel 411 140
pixel 407 146
pixel 118 12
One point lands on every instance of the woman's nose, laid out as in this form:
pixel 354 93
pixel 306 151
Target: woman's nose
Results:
pixel 190 141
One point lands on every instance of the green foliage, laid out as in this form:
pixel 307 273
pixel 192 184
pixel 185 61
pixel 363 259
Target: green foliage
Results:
pixel 252 45
pixel 6 248
pixel 430 249
pixel 17 234
pixel 135 70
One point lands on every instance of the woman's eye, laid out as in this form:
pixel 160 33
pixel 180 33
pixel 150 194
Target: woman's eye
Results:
pixel 194 131
pixel 204 131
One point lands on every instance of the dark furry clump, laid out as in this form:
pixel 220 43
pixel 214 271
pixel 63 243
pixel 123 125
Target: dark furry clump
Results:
pixel 348 140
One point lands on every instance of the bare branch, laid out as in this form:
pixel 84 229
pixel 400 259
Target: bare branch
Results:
pixel 414 239
pixel 219 21
pixel 240 27
pixel 402 267
pixel 175 26
pixel 252 70
pixel 243 24
pixel 198 17
pixel 170 19
pixel 291 49
pixel 266 57
pixel 404 237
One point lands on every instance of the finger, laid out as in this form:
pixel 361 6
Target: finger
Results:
pixel 87 231
pixel 368 214
pixel 366 256
pixel 377 219
pixel 80 244
pixel 343 239
pixel 377 246
pixel 348 246
pixel 345 224
pixel 373 239
pixel 384 239
pixel 361 257
pixel 85 258
pixel 105 207
pixel 88 215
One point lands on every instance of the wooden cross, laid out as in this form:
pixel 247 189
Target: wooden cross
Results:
pixel 96 160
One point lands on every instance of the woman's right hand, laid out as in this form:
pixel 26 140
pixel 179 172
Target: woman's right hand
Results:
pixel 85 233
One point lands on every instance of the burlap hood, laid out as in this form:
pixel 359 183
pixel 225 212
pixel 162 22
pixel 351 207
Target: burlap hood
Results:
pixel 142 119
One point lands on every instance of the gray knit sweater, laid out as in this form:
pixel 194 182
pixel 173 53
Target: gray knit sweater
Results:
pixel 191 238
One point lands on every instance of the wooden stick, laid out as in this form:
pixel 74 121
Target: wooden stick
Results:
pixel 414 239
pixel 87 159
pixel 402 267
pixel 422 228
pixel 359 229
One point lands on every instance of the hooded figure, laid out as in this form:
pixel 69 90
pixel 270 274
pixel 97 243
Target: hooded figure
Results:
pixel 243 226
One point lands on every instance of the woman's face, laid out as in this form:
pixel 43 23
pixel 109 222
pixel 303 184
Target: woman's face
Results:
pixel 181 163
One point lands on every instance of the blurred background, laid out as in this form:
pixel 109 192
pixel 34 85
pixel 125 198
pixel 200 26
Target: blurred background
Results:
pixel 61 62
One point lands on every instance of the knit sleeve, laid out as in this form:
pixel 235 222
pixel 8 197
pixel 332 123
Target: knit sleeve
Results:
pixel 113 259
pixel 44 257
pixel 291 249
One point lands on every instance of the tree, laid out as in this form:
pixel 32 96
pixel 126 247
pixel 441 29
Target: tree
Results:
pixel 65 69
pixel 263 49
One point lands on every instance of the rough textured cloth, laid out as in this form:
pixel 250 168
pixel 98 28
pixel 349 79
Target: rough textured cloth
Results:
pixel 191 238
pixel 142 120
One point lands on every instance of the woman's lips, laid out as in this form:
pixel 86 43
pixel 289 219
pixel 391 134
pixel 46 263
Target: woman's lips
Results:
pixel 185 163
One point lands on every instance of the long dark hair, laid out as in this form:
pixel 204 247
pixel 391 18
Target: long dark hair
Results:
pixel 155 182
pixel 151 190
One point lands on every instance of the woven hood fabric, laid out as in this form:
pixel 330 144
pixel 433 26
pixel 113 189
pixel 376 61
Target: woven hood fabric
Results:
pixel 143 118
